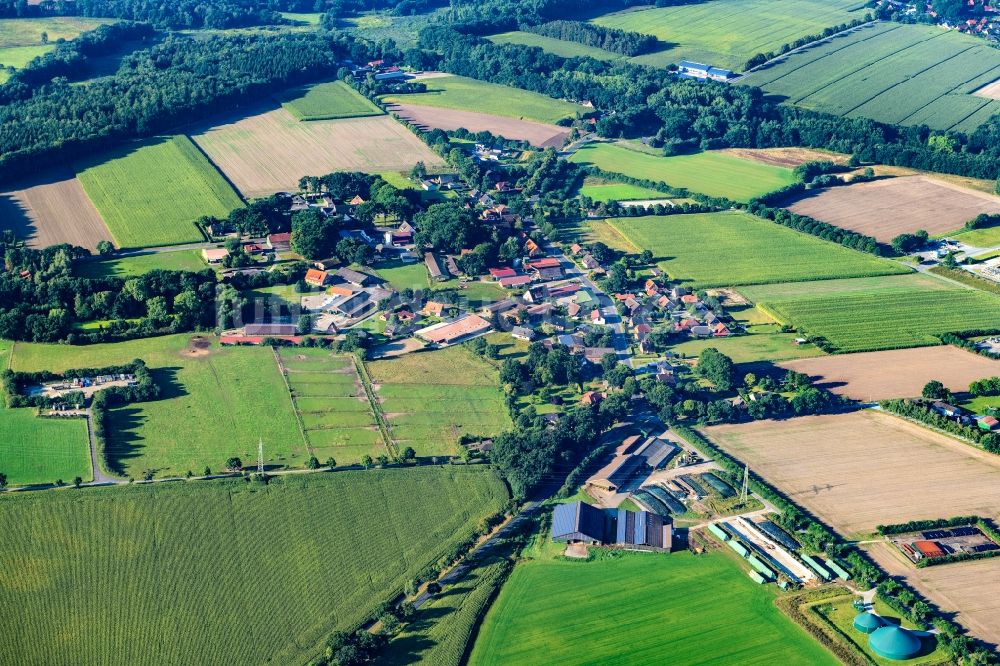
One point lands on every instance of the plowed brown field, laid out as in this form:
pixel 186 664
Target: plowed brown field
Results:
pixel 537 134
pixel 51 211
pixel 886 208
pixel 863 469
pixel 900 373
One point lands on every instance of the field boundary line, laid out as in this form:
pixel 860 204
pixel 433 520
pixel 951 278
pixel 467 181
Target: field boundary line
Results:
pixel 291 398
pixel 218 170
pixel 784 56
pixel 376 407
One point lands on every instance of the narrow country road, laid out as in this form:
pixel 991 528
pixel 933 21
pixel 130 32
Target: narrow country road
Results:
pixel 100 478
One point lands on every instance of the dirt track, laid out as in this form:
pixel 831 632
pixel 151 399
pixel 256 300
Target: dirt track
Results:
pixel 886 208
pixel 271 150
pixel 537 134
pixel 899 373
pixel 859 470
pixel 51 211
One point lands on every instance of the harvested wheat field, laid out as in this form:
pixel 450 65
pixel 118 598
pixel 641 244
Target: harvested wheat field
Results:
pixel 886 208
pixel 789 157
pixel 900 373
pixel 991 91
pixel 269 152
pixel 859 470
pixel 971 588
pixel 542 135
pixel 51 211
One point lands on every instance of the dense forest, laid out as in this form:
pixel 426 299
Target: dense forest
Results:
pixel 687 115
pixel 610 39
pixel 178 80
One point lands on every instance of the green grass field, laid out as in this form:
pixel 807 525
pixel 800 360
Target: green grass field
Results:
pixel 751 348
pixel 559 47
pixel 432 398
pixel 463 94
pixel 724 249
pixel 603 190
pixel 223 571
pixel 183 260
pixel 329 101
pixel 332 405
pixel 726 33
pixel 713 173
pixel 304 17
pixel 214 405
pixel 981 238
pixel 19 56
pixel 888 313
pixel 28 31
pixel 152 194
pixel 897 74
pixel 404 276
pixel 41 450
pixel 639 608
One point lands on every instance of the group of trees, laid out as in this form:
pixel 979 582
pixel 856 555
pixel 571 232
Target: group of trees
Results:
pixel 906 243
pixel 610 39
pixel 555 366
pixel 985 387
pixel 41 300
pixel 920 411
pixel 810 225
pixel 175 15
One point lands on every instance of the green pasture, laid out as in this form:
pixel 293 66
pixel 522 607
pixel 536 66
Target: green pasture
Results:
pixel 329 101
pixel 726 33
pixel 223 571
pixel 713 173
pixel 182 260
pixel 892 73
pixel 401 275
pixel 559 47
pixel 332 405
pixel 41 450
pixel 463 94
pixel 307 18
pixel 987 237
pixel 28 31
pixel 431 399
pixel 731 248
pixel 214 405
pixel 752 347
pixel 151 194
pixel 887 284
pixel 877 315
pixel 602 190
pixel 640 608
pixel 19 56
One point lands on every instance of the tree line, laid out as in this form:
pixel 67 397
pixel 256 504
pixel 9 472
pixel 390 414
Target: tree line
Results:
pixel 615 40
pixel 684 115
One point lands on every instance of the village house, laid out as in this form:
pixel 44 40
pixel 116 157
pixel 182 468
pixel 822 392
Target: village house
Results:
pixel 214 255
pixel 434 267
pixel 597 318
pixel 356 278
pixel 589 263
pixel 279 242
pixel 522 333
pixel 316 278
pixel 434 309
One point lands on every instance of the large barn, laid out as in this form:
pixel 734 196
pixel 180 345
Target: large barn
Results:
pixel 644 530
pixel 577 522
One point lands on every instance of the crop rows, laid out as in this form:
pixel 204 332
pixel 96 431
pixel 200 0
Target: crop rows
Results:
pixel 904 74
pixel 889 320
pixel 726 249
pixel 222 572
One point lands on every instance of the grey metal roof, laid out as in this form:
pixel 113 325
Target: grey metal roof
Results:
pixel 577 518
